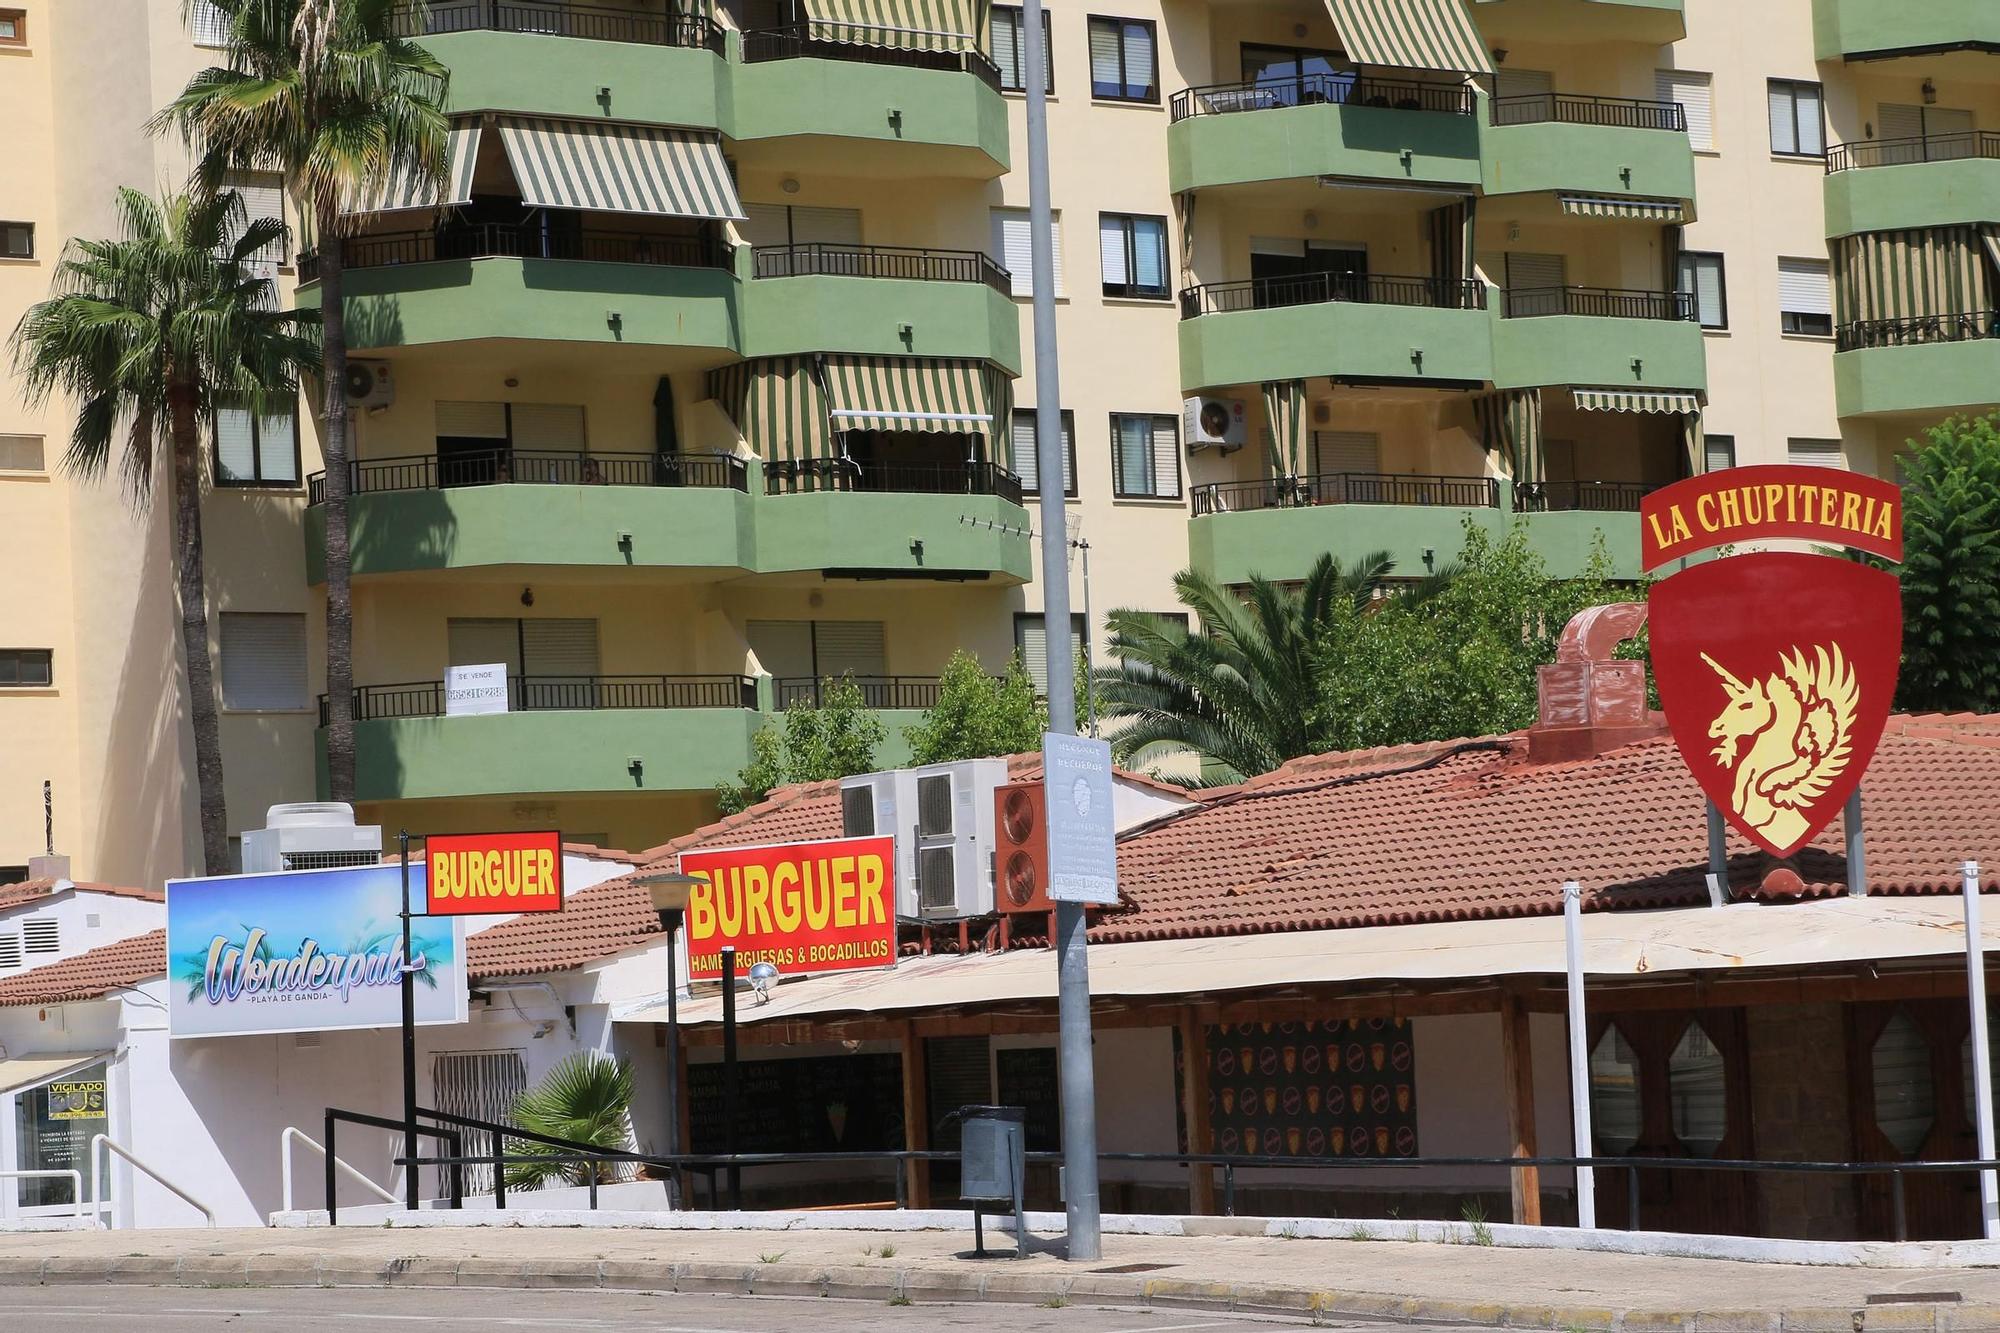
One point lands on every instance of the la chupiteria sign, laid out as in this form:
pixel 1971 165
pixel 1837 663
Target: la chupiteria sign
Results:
pixel 1776 669
pixel 804 907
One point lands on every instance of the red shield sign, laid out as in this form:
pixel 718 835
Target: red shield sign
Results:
pixel 1776 673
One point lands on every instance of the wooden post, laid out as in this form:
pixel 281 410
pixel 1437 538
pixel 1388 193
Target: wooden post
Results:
pixel 1194 1108
pixel 1517 1071
pixel 916 1116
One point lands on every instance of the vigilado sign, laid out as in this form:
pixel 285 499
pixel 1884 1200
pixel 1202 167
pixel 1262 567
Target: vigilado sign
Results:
pixel 1776 669
pixel 803 906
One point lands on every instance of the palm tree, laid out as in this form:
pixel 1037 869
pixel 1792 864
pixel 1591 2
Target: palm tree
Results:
pixel 587 1098
pixel 325 93
pixel 1247 690
pixel 147 335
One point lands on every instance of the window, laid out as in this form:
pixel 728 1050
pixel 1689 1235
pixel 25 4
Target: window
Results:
pixel 13 27
pixel 1122 63
pixel 22 453
pixel 1031 641
pixel 17 240
pixel 1805 298
pixel 1796 127
pixel 256 450
pixel 1718 452
pixel 208 23
pixel 263 197
pixel 53 1125
pixel 1014 248
pixel 1615 1110
pixel 1814 453
pixel 1010 50
pixel 1027 461
pixel 1695 93
pixel 1899 1066
pixel 1701 278
pixel 263 661
pixel 1134 253
pixel 1145 456
pixel 1696 1084
pixel 801 655
pixel 25 668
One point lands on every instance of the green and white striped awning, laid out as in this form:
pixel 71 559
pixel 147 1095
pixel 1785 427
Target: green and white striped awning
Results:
pixel 1510 426
pixel 1593 206
pixel 779 403
pixel 1636 400
pixel 1285 417
pixel 924 25
pixel 1410 34
pixel 611 168
pixel 401 191
pixel 913 393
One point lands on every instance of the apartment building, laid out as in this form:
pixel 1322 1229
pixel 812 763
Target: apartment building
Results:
pixel 710 377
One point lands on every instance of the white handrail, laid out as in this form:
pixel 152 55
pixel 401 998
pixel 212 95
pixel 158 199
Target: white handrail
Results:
pixel 285 1157
pixel 75 1183
pixel 109 1145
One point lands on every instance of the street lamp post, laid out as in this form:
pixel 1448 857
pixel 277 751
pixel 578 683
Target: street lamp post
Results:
pixel 670 892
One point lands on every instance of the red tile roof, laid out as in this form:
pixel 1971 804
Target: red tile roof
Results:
pixel 28 890
pixel 92 975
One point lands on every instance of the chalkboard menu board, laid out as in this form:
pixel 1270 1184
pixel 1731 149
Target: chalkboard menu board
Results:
pixel 826 1103
pixel 1335 1087
pixel 1028 1079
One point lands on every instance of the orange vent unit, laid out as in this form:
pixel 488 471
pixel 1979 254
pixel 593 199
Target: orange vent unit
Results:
pixel 1021 848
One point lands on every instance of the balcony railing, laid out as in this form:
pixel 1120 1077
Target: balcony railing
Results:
pixel 1624 113
pixel 841 474
pixel 1336 89
pixel 876 691
pixel 505 240
pixel 871 45
pixel 1955 147
pixel 1212 298
pixel 826 259
pixel 557 18
pixel 1916 330
pixel 1333 488
pixel 1590 497
pixel 527 694
pixel 1602 302
pixel 491 467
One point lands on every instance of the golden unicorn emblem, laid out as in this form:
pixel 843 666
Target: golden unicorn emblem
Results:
pixel 1799 725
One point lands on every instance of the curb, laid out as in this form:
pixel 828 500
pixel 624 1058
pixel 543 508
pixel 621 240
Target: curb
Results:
pixel 958 1286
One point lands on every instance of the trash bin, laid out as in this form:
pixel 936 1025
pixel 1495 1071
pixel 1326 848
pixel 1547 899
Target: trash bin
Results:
pixel 992 1166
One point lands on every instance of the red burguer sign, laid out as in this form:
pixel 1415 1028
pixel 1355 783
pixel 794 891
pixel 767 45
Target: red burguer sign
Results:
pixel 474 873
pixel 1776 669
pixel 802 906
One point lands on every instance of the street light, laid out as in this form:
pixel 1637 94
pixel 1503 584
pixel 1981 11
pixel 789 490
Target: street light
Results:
pixel 670 891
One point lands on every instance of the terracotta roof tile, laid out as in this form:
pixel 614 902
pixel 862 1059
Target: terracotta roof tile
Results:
pixel 28 890
pixel 92 975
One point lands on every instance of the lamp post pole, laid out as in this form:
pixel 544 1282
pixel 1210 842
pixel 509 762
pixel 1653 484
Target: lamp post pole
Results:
pixel 670 893
pixel 729 1074
pixel 410 1172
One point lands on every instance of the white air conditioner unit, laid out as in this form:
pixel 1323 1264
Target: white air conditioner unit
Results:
pixel 942 820
pixel 310 835
pixel 370 383
pixel 1207 422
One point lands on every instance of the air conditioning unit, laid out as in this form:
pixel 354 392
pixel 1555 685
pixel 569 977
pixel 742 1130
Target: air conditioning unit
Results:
pixel 310 835
pixel 942 819
pixel 1208 422
pixel 370 383
pixel 1021 848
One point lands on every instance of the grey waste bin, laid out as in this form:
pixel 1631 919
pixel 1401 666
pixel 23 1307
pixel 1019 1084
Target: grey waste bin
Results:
pixel 993 1165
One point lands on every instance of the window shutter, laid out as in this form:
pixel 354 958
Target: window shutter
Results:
pixel 209 24
pixel 1337 451
pixel 1141 79
pixel 1132 454
pixel 1895 121
pixel 1701 278
pixel 1149 249
pixel 1784 136
pixel 1013 244
pixel 1069 454
pixel 1166 457
pixel 1031 641
pixel 1027 460
pixel 1005 43
pixel 1803 288
pixel 1532 272
pixel 1719 452
pixel 277 458
pixel 263 661
pixel 1513 82
pixel 22 453
pixel 1111 249
pixel 827 226
pixel 767 224
pixel 482 642
pixel 1817 453
pixel 1278 245
pixel 1808 117
pixel 557 427
pixel 263 198
pixel 235 444
pixel 559 647
pixel 783 647
pixel 850 647
pixel 479 421
pixel 1693 92
pixel 1105 51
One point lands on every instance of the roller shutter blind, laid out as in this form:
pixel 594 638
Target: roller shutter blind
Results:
pixel 1803 288
pixel 1718 452
pixel 1524 82
pixel 784 648
pixel 480 642
pixel 263 661
pixel 1012 245
pixel 552 426
pixel 559 647
pixel 1530 272
pixel 478 421
pixel 1701 278
pixel 1027 461
pixel 1107 69
pixel 1031 641
pixel 22 453
pixel 1796 120
pixel 767 225
pixel 208 23
pixel 263 199
pixel 1694 92
pixel 850 647
pixel 1346 451
pixel 826 226
pixel 235 444
pixel 1815 453
pixel 1895 121
pixel 1010 49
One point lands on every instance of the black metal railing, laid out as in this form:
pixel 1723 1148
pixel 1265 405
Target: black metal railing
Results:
pixel 1625 113
pixel 876 691
pixel 503 465
pixel 839 260
pixel 529 694
pixel 870 44
pixel 1916 330
pixel 558 18
pixel 1332 89
pixel 1333 488
pixel 526 240
pixel 783 477
pixel 1603 302
pixel 1211 298
pixel 1590 497
pixel 1957 146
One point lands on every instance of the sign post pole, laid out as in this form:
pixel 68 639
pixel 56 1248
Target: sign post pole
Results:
pixel 409 984
pixel 1982 1059
pixel 1579 1057
pixel 729 1074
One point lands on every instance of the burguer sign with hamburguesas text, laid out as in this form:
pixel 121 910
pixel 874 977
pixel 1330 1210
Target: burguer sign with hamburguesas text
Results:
pixel 804 906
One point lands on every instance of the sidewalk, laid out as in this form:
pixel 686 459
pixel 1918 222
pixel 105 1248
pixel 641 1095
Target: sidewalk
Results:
pixel 1391 1280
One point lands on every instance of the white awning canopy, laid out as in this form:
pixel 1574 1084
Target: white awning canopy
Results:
pixel 28 1071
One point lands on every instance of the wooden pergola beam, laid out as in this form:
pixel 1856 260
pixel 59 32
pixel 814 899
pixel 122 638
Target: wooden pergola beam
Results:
pixel 1517 1073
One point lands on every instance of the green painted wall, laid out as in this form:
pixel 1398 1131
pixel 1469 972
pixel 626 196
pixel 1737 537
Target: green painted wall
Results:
pixel 1921 194
pixel 1304 141
pixel 560 76
pixel 1520 159
pixel 831 529
pixel 851 100
pixel 818 314
pixel 1941 378
pixel 1334 337
pixel 1854 27
pixel 1580 349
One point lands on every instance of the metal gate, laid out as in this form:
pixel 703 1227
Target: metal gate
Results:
pixel 482 1085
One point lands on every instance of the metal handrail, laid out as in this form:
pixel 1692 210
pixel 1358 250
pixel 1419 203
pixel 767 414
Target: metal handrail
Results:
pixel 1917 330
pixel 843 260
pixel 1330 488
pixel 872 44
pixel 1581 496
pixel 504 465
pixel 291 1134
pixel 55 1173
pixel 524 240
pixel 1213 298
pixel 1631 113
pixel 454 1142
pixel 1955 146
pixel 529 694
pixel 1600 302
pixel 1329 89
pixel 110 1145
pixel 803 475
pixel 876 691
pixel 563 19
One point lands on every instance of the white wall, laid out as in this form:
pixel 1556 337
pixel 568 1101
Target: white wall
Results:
pixel 84 921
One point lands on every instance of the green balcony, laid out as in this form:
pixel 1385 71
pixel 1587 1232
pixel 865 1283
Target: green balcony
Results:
pixel 1878 29
pixel 1370 327
pixel 1889 185
pixel 880 300
pixel 1580 22
pixel 1605 147
pixel 1238 134
pixel 946 523
pixel 1596 336
pixel 1936 377
pixel 593 64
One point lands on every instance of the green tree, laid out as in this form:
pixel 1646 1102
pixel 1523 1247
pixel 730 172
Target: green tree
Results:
pixel 586 1098
pixel 976 716
pixel 147 335
pixel 1951 569
pixel 834 740
pixel 325 93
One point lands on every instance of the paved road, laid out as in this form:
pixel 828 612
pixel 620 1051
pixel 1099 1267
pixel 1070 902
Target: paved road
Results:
pixel 365 1310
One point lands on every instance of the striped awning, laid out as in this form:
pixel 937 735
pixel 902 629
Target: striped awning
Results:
pixel 1410 34
pixel 1636 400
pixel 1592 206
pixel 913 393
pixel 779 403
pixel 923 25
pixel 612 168
pixel 1285 416
pixel 401 191
pixel 1510 426
pixel 1914 272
